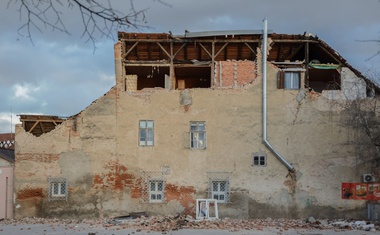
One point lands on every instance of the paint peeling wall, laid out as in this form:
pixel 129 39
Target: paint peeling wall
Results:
pixel 98 151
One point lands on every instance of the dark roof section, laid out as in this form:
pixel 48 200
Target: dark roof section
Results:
pixel 39 124
pixel 8 155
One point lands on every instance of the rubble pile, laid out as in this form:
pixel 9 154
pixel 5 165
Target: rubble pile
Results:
pixel 171 223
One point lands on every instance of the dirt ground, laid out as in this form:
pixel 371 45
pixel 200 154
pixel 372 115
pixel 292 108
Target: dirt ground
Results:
pixel 183 226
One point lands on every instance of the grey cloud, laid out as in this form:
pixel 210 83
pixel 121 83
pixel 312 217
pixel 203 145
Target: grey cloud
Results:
pixel 70 75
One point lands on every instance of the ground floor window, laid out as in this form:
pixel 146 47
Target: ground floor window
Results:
pixel 57 189
pixel 153 186
pixel 219 190
pixel 219 186
pixel 156 191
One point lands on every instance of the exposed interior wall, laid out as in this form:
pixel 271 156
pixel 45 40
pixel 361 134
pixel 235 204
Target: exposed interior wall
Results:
pixel 352 87
pixel 234 73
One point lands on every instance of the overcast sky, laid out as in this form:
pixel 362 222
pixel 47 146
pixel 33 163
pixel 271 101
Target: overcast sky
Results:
pixel 61 75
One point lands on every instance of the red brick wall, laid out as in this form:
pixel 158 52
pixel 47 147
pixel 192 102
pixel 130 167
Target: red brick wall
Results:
pixel 235 73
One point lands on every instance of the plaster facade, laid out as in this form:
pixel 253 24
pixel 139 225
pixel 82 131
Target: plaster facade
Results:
pixel 107 171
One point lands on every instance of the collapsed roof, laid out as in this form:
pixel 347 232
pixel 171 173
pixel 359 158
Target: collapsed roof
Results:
pixel 201 49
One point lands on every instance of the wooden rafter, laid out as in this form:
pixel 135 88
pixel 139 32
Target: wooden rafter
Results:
pixel 130 49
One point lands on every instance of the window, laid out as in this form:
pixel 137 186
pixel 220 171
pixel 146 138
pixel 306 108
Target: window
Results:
pixel 259 159
pixel 146 133
pixel 57 189
pixel 197 135
pixel 219 186
pixel 153 187
pixel 156 191
pixel 289 80
pixel 219 190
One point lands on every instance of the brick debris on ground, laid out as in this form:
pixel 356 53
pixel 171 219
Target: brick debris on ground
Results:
pixel 174 223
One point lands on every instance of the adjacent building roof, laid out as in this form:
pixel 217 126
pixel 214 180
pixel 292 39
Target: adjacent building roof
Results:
pixel 7 140
pixel 7 154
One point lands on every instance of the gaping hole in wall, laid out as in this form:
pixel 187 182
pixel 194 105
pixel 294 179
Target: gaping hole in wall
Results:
pixel 149 76
pixel 324 79
pixel 193 77
pixel 39 124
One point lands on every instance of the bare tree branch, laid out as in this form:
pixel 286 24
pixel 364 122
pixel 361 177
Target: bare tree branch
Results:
pixel 371 40
pixel 99 18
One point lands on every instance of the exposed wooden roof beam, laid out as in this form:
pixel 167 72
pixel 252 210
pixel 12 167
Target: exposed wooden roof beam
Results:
pixel 220 50
pixel 254 52
pixel 32 128
pixel 163 49
pixel 208 53
pixel 295 51
pixel 130 49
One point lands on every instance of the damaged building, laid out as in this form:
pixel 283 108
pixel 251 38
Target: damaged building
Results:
pixel 200 116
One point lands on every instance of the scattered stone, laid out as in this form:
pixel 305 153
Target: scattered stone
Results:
pixel 311 220
pixel 165 224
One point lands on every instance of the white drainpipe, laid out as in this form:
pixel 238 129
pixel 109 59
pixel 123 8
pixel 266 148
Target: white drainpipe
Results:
pixel 264 52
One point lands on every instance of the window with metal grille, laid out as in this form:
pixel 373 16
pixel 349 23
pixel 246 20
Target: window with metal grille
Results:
pixel 290 80
pixel 153 187
pixel 156 191
pixel 146 133
pixel 219 190
pixel 57 189
pixel 197 135
pixel 219 186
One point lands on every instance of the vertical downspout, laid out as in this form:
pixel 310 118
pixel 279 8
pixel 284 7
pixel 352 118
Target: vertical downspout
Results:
pixel 264 53
pixel 6 198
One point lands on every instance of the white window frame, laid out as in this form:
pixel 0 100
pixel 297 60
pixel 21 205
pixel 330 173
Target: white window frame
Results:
pixel 259 160
pixel 198 135
pixel 58 189
pixel 146 128
pixel 156 195
pixel 217 192
pixel 292 80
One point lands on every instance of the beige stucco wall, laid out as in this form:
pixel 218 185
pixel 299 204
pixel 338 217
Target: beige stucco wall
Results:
pixel 99 154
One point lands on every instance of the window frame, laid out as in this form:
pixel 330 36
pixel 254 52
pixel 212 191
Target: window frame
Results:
pixel 156 192
pixel 282 79
pixel 259 160
pixel 218 192
pixel 61 189
pixel 148 132
pixel 58 189
pixel 198 138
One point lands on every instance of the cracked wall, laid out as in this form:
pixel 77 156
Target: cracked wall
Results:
pixel 99 154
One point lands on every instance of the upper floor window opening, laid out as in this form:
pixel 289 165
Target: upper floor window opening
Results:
pixel 289 80
pixel 146 133
pixel 197 135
